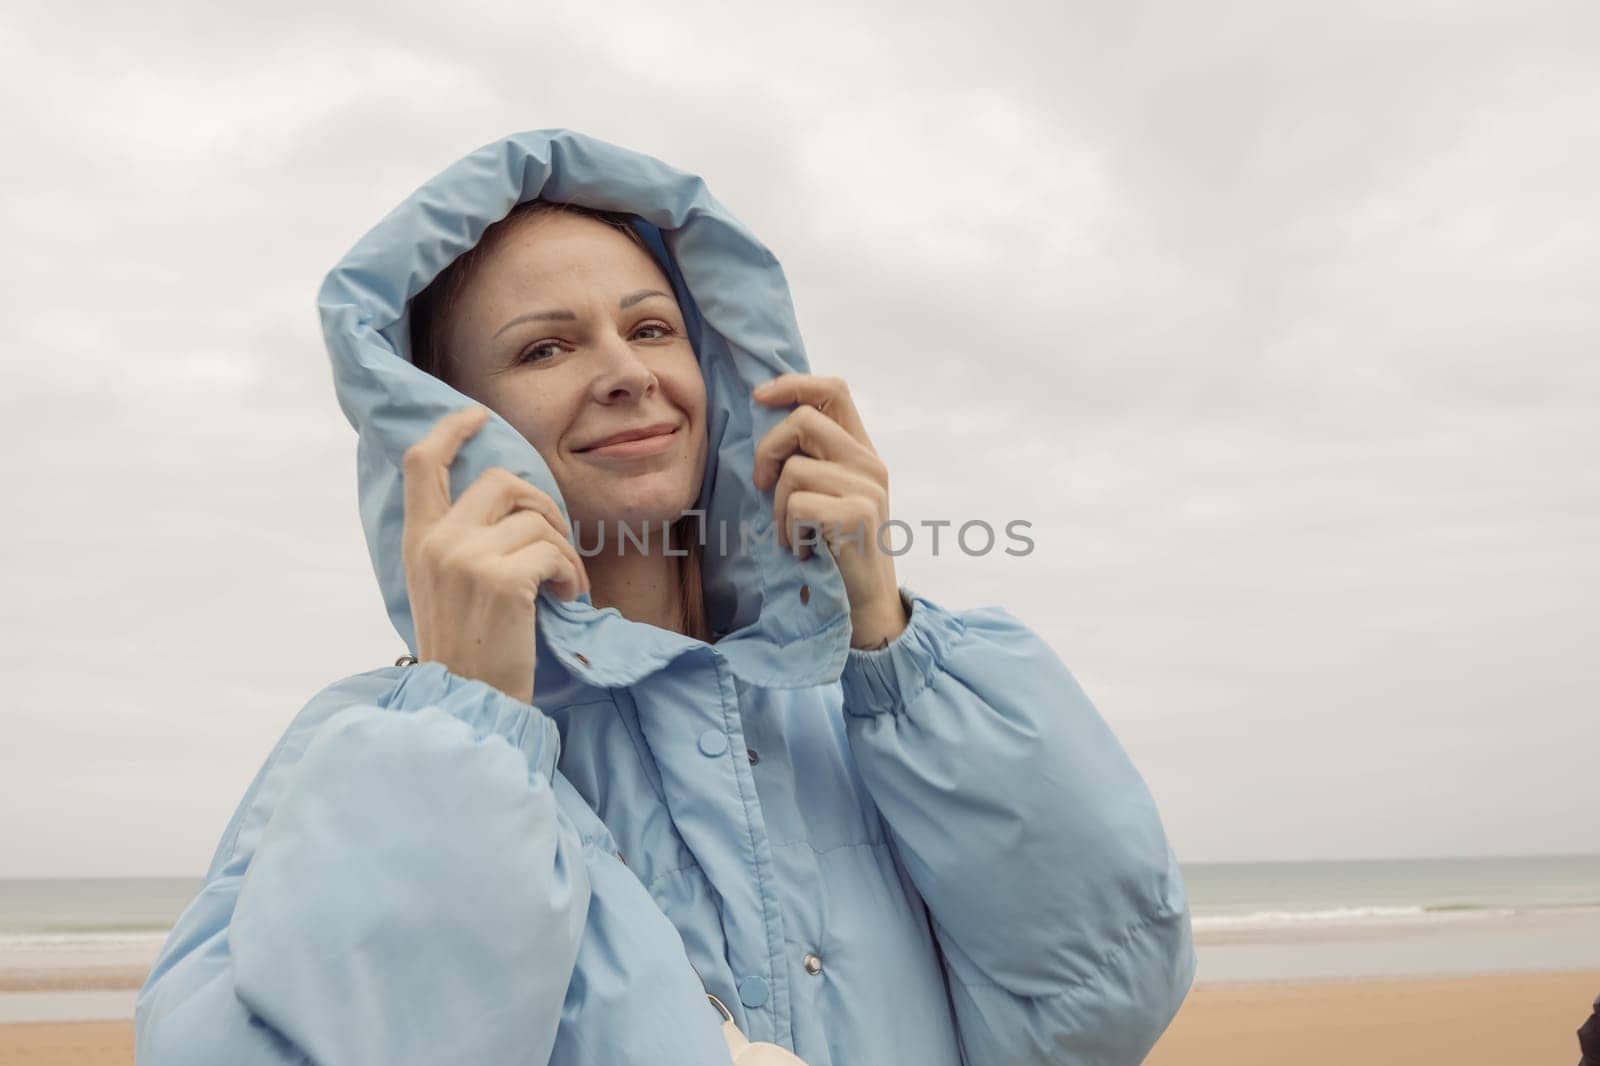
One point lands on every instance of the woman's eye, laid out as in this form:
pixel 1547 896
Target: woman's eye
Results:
pixel 531 355
pixel 553 348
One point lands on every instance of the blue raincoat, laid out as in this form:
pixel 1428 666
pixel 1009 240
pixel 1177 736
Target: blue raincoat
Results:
pixel 930 854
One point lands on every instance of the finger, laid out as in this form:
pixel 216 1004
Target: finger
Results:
pixel 803 473
pixel 519 529
pixel 835 518
pixel 807 430
pixel 425 468
pixel 516 530
pixel 543 562
pixel 497 493
pixel 526 497
pixel 830 395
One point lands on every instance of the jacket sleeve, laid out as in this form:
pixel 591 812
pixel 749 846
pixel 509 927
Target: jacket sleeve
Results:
pixel 398 886
pixel 1056 902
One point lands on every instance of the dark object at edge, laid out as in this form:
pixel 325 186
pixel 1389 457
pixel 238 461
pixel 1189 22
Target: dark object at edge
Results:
pixel 1589 1037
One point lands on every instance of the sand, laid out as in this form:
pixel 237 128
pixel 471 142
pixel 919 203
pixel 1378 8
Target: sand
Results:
pixel 1464 1021
pixel 67 1043
pixel 1512 1020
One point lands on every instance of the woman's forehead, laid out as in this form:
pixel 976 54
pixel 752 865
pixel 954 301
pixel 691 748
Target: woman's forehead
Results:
pixel 570 255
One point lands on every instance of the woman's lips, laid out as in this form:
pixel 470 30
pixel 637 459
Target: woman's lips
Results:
pixel 628 449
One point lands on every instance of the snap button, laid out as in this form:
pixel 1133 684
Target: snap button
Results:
pixel 713 742
pixel 805 593
pixel 750 753
pixel 406 660
pixel 582 658
pixel 753 991
pixel 813 965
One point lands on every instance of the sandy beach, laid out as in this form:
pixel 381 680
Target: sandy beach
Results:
pixel 64 1043
pixel 1465 1021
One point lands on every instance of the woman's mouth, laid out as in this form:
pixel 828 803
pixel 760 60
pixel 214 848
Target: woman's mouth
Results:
pixel 629 449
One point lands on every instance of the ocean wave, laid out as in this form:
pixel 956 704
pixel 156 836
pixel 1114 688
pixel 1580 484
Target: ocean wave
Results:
pixel 1332 916
pixel 85 940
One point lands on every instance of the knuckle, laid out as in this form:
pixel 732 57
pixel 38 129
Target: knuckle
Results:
pixel 506 584
pixel 432 549
pixel 415 458
pixel 545 561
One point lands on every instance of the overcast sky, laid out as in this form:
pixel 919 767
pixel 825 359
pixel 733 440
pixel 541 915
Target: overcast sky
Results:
pixel 1278 321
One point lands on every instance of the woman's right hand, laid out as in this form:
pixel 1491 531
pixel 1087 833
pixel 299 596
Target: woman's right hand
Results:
pixel 473 567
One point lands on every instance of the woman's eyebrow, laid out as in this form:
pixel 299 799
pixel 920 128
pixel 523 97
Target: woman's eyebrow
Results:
pixel 563 315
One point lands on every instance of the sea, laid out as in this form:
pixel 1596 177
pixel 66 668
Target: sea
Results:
pixel 76 949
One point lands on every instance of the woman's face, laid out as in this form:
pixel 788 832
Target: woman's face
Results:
pixel 569 331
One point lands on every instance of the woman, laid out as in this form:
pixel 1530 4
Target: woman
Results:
pixel 877 830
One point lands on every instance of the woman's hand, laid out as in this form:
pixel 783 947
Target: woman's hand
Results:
pixel 827 474
pixel 473 568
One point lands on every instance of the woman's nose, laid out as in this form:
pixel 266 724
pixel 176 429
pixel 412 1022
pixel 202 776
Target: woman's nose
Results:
pixel 621 375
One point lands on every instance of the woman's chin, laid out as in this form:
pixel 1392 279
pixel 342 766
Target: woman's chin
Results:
pixel 636 516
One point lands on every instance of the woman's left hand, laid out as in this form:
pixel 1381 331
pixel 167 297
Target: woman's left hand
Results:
pixel 825 473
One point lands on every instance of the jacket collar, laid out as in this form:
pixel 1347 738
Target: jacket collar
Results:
pixel 787 620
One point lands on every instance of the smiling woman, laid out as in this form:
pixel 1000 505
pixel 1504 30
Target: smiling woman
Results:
pixel 524 322
pixel 860 826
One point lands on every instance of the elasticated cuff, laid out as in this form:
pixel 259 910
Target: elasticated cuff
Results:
pixel 483 707
pixel 886 680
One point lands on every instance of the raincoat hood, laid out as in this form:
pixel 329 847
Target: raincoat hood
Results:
pixel 784 622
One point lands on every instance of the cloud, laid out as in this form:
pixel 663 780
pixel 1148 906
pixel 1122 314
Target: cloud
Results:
pixel 1274 320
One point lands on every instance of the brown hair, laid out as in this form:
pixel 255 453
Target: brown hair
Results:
pixel 430 317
